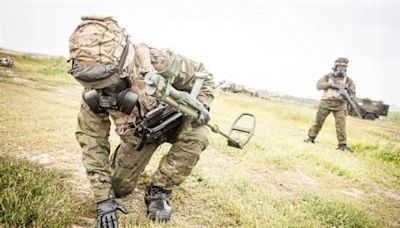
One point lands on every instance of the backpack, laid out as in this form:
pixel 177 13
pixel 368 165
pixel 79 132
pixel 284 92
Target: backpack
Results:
pixel 98 50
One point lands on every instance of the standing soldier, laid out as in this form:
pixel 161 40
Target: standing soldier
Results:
pixel 333 101
pixel 112 70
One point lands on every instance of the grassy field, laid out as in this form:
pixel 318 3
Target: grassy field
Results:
pixel 276 181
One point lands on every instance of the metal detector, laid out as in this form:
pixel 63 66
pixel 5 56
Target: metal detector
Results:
pixel 187 104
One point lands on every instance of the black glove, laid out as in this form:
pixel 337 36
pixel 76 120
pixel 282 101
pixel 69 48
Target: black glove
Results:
pixel 203 118
pixel 106 213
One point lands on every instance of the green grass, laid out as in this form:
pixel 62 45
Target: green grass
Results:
pixel 388 152
pixel 393 116
pixel 335 213
pixel 275 181
pixel 42 70
pixel 32 196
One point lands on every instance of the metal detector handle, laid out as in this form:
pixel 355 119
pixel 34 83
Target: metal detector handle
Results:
pixel 198 83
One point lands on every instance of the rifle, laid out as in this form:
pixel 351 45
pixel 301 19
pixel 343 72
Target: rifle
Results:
pixel 157 125
pixel 341 88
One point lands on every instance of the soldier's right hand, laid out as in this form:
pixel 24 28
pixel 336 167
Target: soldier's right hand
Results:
pixel 107 213
pixel 332 85
pixel 202 119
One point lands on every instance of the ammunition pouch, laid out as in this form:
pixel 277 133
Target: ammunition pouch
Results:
pixel 116 96
pixel 158 125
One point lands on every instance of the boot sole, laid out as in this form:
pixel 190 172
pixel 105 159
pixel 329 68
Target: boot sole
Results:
pixel 159 216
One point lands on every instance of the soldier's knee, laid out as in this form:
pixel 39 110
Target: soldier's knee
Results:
pixel 189 160
pixel 186 154
pixel 195 145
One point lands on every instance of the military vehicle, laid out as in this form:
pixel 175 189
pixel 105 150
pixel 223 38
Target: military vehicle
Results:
pixel 236 88
pixel 7 62
pixel 369 109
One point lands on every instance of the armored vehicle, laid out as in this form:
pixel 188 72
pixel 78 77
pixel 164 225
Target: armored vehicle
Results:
pixel 369 109
pixel 236 88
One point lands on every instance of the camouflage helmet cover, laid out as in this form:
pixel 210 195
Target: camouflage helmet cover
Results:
pixel 341 62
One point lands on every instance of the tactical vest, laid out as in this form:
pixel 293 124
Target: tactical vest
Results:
pixel 333 94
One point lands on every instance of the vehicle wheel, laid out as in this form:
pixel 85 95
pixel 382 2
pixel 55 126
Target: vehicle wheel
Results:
pixel 369 116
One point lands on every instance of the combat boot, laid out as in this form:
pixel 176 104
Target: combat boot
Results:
pixel 309 140
pixel 344 147
pixel 158 203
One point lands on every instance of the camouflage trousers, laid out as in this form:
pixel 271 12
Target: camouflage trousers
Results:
pixel 119 175
pixel 340 122
pixel 127 163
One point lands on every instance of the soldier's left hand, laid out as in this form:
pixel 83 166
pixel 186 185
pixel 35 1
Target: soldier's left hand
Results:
pixel 107 213
pixel 202 119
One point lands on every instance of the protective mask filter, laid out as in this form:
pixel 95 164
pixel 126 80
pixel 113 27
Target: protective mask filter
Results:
pixel 115 97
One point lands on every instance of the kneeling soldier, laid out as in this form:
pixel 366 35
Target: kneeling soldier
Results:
pixel 112 70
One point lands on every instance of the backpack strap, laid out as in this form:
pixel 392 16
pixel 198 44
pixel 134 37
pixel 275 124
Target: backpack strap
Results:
pixel 123 56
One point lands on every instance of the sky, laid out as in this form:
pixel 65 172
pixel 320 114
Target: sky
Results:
pixel 282 46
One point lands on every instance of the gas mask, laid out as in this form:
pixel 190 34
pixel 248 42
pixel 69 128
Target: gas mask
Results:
pixel 117 97
pixel 339 71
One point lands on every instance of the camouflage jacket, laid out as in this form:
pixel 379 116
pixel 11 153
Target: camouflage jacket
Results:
pixel 331 99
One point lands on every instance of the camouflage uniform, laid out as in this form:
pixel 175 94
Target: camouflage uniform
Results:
pixel 332 101
pixel 119 176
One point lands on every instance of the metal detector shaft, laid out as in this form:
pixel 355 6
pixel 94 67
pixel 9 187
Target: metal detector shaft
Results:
pixel 194 114
pixel 214 128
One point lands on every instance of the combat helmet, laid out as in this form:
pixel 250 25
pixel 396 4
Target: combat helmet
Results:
pixel 341 61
